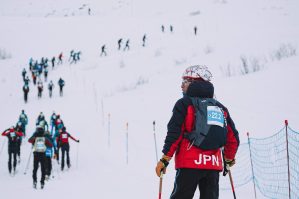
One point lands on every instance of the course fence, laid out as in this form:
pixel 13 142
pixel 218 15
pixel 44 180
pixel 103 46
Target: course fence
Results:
pixel 271 164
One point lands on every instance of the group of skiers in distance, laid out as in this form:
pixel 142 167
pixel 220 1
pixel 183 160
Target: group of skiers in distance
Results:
pixel 38 68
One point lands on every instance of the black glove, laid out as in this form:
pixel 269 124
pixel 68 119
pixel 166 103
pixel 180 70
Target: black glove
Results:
pixel 78 141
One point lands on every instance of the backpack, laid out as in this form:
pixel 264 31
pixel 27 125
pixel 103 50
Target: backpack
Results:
pixel 40 144
pixel 26 88
pixel 210 126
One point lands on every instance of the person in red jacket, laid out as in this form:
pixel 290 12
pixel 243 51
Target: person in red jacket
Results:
pixel 13 145
pixel 198 165
pixel 63 142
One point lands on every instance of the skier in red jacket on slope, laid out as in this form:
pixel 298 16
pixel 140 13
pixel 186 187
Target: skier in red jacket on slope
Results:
pixel 198 152
pixel 63 142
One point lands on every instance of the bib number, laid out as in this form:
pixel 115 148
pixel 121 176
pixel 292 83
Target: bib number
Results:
pixel 215 116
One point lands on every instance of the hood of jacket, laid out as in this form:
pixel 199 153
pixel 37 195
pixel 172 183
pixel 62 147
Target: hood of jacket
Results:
pixel 201 89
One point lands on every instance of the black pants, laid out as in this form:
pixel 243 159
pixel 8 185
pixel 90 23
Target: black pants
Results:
pixel 187 180
pixel 48 166
pixel 19 147
pixel 25 96
pixel 10 154
pixel 60 90
pixel 65 148
pixel 39 157
pixel 39 93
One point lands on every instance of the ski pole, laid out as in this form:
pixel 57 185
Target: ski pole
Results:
pixel 28 162
pixel 3 144
pixel 231 181
pixel 77 156
pixel 57 169
pixel 227 168
pixel 160 185
pixel 154 129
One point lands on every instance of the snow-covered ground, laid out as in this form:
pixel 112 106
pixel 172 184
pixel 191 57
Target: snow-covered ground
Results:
pixel 141 85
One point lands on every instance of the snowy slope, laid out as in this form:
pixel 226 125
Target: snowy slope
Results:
pixel 141 85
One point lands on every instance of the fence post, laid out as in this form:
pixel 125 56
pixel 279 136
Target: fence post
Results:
pixel 288 159
pixel 109 130
pixel 253 177
pixel 127 141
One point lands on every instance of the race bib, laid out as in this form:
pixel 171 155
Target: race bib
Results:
pixel 215 116
pixel 12 134
pixel 40 143
pixel 64 136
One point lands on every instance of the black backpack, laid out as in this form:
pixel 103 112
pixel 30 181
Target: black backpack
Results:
pixel 210 126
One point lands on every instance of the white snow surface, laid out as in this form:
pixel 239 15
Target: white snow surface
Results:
pixel 141 85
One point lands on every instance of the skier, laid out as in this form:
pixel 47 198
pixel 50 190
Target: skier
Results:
pixel 34 75
pixel 24 74
pixel 26 91
pixel 53 62
pixel 71 57
pixel 60 56
pixel 46 74
pixel 58 126
pixel 50 87
pixel 61 85
pixel 41 121
pixel 195 30
pixel 127 46
pixel 89 11
pixel 19 128
pixel 13 147
pixel 40 144
pixel 52 122
pixel 24 121
pixel 40 88
pixel 74 58
pixel 119 43
pixel 143 40
pixel 162 28
pixel 49 155
pixel 31 63
pixel 77 55
pixel 198 158
pixel 171 28
pixel 26 80
pixel 103 48
pixel 63 141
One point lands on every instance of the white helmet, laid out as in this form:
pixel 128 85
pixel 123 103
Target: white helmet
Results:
pixel 197 72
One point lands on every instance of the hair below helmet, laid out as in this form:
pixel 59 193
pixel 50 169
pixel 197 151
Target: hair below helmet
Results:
pixel 197 72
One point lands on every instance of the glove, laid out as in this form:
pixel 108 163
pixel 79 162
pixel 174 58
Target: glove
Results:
pixel 162 164
pixel 78 141
pixel 227 164
pixel 230 162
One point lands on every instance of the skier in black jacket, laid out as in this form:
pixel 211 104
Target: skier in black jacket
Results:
pixel 40 143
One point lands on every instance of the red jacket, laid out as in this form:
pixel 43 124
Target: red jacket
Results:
pixel 64 138
pixel 182 121
pixel 12 132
